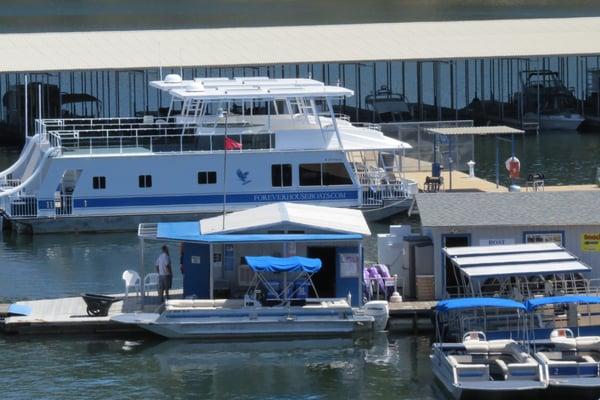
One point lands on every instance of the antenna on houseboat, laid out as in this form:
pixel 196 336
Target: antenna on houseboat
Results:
pixel 160 62
pixel 225 163
pixel 26 122
pixel 40 101
pixel 181 64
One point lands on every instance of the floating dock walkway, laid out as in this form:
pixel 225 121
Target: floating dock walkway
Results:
pixel 458 181
pixel 69 316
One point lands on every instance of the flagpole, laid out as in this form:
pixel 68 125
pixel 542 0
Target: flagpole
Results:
pixel 225 166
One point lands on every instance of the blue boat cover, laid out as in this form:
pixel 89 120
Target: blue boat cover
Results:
pixel 289 264
pixel 532 304
pixel 477 302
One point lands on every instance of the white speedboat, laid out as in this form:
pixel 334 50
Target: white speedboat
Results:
pixel 544 93
pixel 481 368
pixel 556 122
pixel 279 314
pixel 571 362
pixel 258 140
pixel 389 106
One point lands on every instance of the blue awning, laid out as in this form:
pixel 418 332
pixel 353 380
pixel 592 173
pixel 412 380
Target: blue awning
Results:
pixel 532 304
pixel 189 232
pixel 289 264
pixel 477 302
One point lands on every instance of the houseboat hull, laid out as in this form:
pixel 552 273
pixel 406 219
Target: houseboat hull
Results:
pixel 122 223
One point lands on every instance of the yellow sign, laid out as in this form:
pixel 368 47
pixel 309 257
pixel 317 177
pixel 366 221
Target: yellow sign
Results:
pixel 590 242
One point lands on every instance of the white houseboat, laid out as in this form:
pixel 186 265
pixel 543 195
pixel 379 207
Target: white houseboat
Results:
pixel 238 142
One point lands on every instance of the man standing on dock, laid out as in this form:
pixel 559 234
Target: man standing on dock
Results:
pixel 165 274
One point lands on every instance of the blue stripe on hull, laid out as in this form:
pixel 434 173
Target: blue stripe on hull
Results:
pixel 141 201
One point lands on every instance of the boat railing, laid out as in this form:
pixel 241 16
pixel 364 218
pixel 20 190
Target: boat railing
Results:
pixel 20 207
pixel 63 204
pixel 367 125
pixel 343 117
pixel 162 137
pixel 489 322
pixel 530 288
pixel 6 183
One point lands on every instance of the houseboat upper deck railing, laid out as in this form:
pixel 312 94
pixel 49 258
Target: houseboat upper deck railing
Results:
pixel 127 135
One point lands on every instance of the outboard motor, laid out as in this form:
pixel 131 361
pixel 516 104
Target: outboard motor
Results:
pixel 380 311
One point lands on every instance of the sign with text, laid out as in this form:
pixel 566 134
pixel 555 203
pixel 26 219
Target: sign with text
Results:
pixel 496 242
pixel 349 266
pixel 590 241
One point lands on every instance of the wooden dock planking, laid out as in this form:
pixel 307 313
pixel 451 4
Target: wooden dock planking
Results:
pixel 464 183
pixel 69 315
pixel 460 182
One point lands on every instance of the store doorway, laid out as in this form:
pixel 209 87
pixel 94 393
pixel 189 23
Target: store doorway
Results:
pixel 324 280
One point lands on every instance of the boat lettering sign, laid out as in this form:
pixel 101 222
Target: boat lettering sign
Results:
pixel 590 242
pixel 496 241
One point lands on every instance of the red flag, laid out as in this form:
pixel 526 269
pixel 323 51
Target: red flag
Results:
pixel 231 144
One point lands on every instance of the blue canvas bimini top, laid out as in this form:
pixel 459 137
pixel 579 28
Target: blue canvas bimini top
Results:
pixel 289 264
pixel 477 302
pixel 532 304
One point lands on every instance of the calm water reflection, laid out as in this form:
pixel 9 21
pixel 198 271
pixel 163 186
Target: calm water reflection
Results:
pixel 394 367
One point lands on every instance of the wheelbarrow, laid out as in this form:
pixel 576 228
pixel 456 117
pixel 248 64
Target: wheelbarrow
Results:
pixel 97 304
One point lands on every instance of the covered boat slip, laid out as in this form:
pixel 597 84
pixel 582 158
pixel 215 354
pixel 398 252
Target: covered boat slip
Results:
pixel 217 261
pixel 349 43
pixel 519 271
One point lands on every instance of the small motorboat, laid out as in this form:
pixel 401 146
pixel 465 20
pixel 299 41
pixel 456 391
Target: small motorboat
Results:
pixel 480 368
pixel 571 363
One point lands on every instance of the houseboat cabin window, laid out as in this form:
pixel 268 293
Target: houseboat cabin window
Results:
pixel 281 175
pixel 145 181
pixel 99 182
pixel 207 177
pixel 335 174
pixel 310 174
pixel 544 237
pixel 324 174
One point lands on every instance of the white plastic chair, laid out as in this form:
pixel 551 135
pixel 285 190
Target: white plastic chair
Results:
pixel 150 281
pixel 132 281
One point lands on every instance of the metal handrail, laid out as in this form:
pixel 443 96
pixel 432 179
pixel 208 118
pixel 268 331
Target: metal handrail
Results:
pixel 368 125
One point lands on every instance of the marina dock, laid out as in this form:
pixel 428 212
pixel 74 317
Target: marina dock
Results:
pixel 459 181
pixel 68 316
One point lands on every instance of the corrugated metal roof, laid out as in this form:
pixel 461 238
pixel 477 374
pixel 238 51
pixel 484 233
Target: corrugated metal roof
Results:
pixel 567 208
pixel 524 259
pixel 504 249
pixel 555 267
pixel 476 130
pixel 299 44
